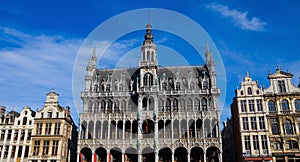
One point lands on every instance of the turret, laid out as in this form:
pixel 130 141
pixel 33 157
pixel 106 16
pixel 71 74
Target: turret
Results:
pixel 210 66
pixel 148 49
pixel 91 68
pixel 148 64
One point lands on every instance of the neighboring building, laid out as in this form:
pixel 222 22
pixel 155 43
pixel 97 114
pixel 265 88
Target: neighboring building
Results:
pixel 150 113
pixel 15 134
pixel 228 141
pixel 53 135
pixel 282 100
pixel 251 136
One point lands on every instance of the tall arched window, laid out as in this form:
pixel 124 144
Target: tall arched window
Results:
pixel 148 79
pixel 24 120
pixel 204 104
pixel 297 104
pixel 168 105
pixel 285 105
pixel 249 91
pixel 288 127
pixel 175 104
pixel 271 106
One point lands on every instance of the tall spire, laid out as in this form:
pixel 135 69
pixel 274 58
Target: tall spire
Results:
pixel 207 48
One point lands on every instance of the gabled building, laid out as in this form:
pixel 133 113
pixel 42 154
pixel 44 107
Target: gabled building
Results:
pixel 15 134
pixel 282 100
pixel 54 133
pixel 150 113
pixel 251 135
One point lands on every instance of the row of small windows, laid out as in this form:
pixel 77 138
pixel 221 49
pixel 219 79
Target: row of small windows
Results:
pixel 16 134
pixel 284 105
pixel 148 81
pixel 44 148
pixel 251 105
pixel 256 142
pixel 249 91
pixel 288 126
pixel 169 104
pixel 253 123
pixel 129 129
pixel 50 115
pixel 48 128
pixel 289 145
pixel 13 152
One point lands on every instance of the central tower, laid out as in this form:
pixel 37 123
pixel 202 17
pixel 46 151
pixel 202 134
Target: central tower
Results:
pixel 148 64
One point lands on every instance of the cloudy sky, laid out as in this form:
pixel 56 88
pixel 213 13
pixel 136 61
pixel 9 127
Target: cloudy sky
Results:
pixel 40 41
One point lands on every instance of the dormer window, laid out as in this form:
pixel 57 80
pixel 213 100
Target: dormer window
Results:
pixel 281 86
pixel 49 114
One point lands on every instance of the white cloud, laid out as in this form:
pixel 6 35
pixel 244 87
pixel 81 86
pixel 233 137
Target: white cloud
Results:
pixel 240 19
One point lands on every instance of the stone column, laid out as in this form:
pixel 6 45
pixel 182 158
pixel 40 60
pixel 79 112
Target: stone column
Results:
pixel 123 131
pixel 123 157
pixel 188 156
pixel 140 157
pixel 93 156
pixel 220 156
pixel 78 154
pixel 204 156
pixel 172 155
pixel 156 156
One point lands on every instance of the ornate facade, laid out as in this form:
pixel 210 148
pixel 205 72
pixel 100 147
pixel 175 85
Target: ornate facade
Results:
pixel 54 134
pixel 251 135
pixel 267 121
pixel 282 100
pixel 15 134
pixel 150 113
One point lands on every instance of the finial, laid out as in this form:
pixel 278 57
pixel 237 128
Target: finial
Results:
pixel 247 73
pixel 278 67
pixel 288 70
pixel 52 90
pixel 207 48
pixel 148 16
pixel 94 52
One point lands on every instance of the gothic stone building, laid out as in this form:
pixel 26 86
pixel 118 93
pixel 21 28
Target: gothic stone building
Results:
pixel 150 113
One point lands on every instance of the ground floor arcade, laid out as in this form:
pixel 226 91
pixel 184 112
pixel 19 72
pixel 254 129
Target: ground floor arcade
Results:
pixel 180 154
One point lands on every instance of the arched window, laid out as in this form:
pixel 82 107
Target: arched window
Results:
pixel 257 91
pixel 288 127
pixel 297 104
pixel 168 105
pixel 148 79
pixel 175 104
pixel 277 145
pixel 152 56
pixel 249 90
pixel 242 92
pixel 24 120
pixel 107 87
pixel 285 105
pixel 148 56
pixel 164 86
pixel 204 104
pixel 271 105
pixel 292 145
pixel 177 86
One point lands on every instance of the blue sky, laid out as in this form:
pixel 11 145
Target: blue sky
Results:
pixel 39 41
